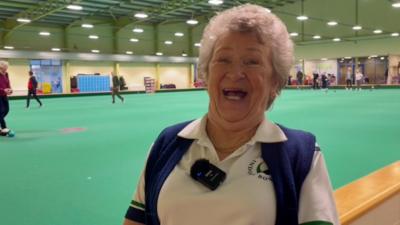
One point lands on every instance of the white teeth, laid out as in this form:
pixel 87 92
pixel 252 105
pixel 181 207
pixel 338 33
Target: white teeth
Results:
pixel 233 97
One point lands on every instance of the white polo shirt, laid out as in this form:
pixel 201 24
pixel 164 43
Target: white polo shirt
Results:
pixel 247 196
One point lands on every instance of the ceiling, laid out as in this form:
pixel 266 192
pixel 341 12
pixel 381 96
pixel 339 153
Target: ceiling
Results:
pixel 370 14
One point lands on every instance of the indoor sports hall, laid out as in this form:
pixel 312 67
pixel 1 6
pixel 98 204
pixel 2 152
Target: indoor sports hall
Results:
pixel 111 75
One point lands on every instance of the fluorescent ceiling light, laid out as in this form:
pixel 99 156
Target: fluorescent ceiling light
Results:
pixel 9 47
pixel 377 31
pixel 141 15
pixel 302 18
pixel 56 49
pixel 382 58
pixel 138 30
pixel 215 2
pixel 347 57
pixel 168 42
pixel 192 22
pixel 23 20
pixel 332 23
pixel 179 34
pixel 316 37
pixel 294 34
pixel 373 56
pixel 357 27
pixel 395 34
pixel 129 52
pixel 324 59
pixel 44 33
pixel 159 53
pixel 396 5
pixel 95 51
pixel 197 44
pixel 93 37
pixel 184 54
pixel 74 7
pixel 134 40
pixel 87 25
pixel 336 39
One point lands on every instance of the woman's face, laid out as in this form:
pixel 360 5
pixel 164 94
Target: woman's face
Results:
pixel 240 82
pixel 3 68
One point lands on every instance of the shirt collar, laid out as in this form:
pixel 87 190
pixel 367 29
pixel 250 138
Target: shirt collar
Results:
pixel 267 132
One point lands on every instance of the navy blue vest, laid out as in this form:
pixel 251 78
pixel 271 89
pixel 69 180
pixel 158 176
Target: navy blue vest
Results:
pixel 288 163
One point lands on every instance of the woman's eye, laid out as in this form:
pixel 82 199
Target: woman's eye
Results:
pixel 223 60
pixel 251 62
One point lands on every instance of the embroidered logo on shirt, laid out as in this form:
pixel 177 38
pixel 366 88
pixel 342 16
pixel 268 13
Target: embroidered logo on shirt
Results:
pixel 258 168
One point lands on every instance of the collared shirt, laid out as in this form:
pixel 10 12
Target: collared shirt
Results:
pixel 4 83
pixel 246 196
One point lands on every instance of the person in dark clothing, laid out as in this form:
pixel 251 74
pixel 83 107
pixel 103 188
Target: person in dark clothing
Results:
pixel 315 80
pixel 115 88
pixel 299 77
pixel 5 90
pixel 324 81
pixel 32 86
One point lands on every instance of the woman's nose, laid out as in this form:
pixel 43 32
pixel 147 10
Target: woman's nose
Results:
pixel 236 72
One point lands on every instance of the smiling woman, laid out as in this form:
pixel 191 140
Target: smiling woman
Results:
pixel 261 172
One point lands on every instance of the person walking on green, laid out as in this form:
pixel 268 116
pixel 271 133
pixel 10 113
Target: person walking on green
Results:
pixel 32 86
pixel 115 88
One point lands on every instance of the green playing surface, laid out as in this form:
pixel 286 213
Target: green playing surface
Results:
pixel 76 161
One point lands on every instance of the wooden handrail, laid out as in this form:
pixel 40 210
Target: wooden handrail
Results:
pixel 364 194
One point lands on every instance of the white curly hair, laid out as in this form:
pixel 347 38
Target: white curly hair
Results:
pixel 250 18
pixel 3 64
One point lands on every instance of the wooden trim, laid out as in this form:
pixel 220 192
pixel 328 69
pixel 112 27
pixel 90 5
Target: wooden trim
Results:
pixel 360 196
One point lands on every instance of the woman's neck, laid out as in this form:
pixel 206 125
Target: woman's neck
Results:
pixel 226 141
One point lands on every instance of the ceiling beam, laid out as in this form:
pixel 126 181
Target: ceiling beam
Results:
pixel 35 13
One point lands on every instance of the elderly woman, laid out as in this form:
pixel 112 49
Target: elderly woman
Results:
pixel 5 90
pixel 234 166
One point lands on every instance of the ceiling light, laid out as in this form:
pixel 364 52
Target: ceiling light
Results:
pixel 357 27
pixel 74 7
pixel 179 34
pixel 377 31
pixel 347 57
pixel 134 40
pixel 324 59
pixel 9 47
pixel 382 58
pixel 44 33
pixel 294 34
pixel 396 5
pixel 138 30
pixel 23 20
pixel 159 53
pixel 95 51
pixel 215 2
pixel 87 25
pixel 184 54
pixel 56 49
pixel 302 18
pixel 316 37
pixel 192 22
pixel 197 44
pixel 141 15
pixel 373 56
pixel 93 37
pixel 395 34
pixel 336 39
pixel 129 52
pixel 332 23
pixel 168 42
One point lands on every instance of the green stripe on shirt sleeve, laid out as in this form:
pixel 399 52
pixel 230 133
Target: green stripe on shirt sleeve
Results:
pixel 138 204
pixel 317 223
